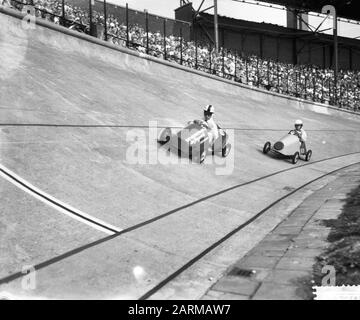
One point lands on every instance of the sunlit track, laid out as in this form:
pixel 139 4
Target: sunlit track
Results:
pixel 230 234
pixel 159 127
pixel 55 203
pixel 171 212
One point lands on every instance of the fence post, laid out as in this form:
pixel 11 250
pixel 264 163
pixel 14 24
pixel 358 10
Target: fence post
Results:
pixel 235 57
pixel 223 62
pixel 346 87
pixel 278 77
pixel 247 70
pixel 287 80
pixel 339 101
pixel 296 84
pixel 63 12
pixel 210 60
pixel 314 85
pixel 181 46
pixel 90 17
pixel 306 81
pixel 105 22
pixel 147 31
pixel 257 71
pixel 127 25
pixel 164 39
pixel 330 101
pixel 196 52
pixel 322 89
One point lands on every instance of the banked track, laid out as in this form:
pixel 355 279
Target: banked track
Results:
pixel 67 131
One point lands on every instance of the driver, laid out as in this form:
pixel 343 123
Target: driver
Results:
pixel 300 132
pixel 212 127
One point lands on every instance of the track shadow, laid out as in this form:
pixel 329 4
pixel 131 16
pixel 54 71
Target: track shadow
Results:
pixel 274 156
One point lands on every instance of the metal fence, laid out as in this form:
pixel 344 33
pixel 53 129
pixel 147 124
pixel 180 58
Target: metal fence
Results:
pixel 169 39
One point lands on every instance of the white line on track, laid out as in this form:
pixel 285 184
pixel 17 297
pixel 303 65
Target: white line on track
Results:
pixel 57 204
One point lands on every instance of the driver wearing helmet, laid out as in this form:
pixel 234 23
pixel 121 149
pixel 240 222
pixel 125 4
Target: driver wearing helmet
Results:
pixel 300 132
pixel 210 124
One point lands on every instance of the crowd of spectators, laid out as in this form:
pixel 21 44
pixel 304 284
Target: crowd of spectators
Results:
pixel 303 81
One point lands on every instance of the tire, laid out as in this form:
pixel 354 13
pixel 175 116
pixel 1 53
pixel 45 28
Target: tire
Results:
pixel 267 148
pixel 226 150
pixel 202 157
pixel 295 158
pixel 308 155
pixel 164 136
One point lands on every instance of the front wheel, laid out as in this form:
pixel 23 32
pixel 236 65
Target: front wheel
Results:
pixel 295 158
pixel 226 150
pixel 267 147
pixel 308 155
pixel 202 157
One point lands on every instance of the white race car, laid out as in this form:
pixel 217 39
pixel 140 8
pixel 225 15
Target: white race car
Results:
pixel 193 141
pixel 289 147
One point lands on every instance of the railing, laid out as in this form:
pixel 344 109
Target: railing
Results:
pixel 124 28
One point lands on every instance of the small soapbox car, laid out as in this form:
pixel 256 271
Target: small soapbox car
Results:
pixel 290 147
pixel 193 141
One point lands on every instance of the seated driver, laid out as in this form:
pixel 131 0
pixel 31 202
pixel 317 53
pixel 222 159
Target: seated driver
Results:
pixel 212 127
pixel 300 132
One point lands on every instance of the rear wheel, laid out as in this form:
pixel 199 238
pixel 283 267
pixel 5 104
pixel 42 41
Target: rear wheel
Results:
pixel 164 136
pixel 295 158
pixel 267 147
pixel 308 155
pixel 202 157
pixel 226 150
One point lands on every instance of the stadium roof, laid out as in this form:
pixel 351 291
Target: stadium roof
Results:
pixel 345 8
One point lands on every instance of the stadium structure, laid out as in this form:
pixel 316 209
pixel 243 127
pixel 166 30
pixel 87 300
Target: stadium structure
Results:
pixel 297 43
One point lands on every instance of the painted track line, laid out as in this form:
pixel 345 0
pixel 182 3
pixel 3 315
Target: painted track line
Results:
pixel 57 204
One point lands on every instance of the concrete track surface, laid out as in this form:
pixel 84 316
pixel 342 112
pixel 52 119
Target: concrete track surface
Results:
pixel 97 225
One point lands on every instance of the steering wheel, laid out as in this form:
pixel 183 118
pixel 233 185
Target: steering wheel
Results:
pixel 204 124
pixel 201 123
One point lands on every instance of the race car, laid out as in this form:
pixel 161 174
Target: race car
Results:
pixel 290 147
pixel 193 141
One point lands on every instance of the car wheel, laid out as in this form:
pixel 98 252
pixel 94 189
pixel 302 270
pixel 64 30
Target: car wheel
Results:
pixel 308 155
pixel 226 150
pixel 267 147
pixel 202 158
pixel 295 158
pixel 164 136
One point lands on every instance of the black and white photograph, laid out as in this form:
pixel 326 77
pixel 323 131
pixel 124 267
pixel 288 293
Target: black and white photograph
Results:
pixel 198 152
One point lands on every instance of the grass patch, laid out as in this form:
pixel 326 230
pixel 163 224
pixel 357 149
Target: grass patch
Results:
pixel 344 250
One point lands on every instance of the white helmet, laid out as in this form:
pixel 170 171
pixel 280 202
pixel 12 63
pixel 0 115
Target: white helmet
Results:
pixel 298 123
pixel 209 109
